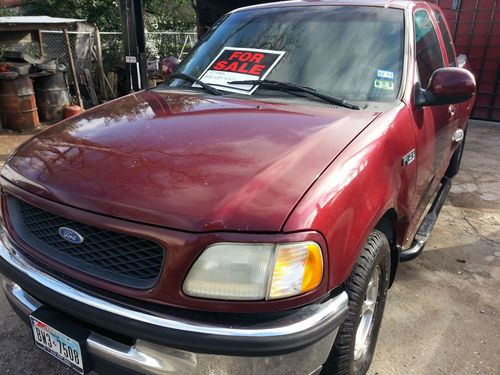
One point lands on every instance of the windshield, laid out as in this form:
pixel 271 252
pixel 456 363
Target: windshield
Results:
pixel 351 52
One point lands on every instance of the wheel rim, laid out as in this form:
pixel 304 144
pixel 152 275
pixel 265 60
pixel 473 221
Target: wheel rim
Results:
pixel 366 318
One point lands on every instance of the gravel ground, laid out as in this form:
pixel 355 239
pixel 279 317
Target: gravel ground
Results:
pixel 443 312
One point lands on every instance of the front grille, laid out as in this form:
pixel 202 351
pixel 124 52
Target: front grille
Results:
pixel 116 257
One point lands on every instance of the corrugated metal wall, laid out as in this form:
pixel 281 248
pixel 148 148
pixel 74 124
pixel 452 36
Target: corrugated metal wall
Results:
pixel 475 25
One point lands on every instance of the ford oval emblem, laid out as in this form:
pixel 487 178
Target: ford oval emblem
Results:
pixel 70 235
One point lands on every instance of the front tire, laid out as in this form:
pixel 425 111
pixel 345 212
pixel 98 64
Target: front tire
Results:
pixel 367 287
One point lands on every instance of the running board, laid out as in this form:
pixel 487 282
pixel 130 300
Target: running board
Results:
pixel 425 229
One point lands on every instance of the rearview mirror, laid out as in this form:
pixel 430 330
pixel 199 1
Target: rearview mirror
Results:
pixel 447 86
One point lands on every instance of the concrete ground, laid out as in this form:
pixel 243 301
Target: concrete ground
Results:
pixel 443 312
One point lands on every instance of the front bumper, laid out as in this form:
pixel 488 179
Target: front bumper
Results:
pixel 171 342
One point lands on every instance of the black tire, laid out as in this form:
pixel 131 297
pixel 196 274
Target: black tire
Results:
pixel 375 253
pixel 456 158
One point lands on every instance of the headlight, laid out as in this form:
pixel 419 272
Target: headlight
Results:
pixel 236 271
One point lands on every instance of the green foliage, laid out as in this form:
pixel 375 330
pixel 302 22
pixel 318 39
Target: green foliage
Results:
pixel 105 14
pixel 4 12
pixel 169 15
pixel 159 15
pixel 3 48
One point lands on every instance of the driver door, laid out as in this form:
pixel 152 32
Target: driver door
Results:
pixel 433 123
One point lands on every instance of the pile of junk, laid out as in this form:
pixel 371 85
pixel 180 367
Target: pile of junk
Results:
pixel 33 87
pixel 32 91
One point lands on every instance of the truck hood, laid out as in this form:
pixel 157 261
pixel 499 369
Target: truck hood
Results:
pixel 188 162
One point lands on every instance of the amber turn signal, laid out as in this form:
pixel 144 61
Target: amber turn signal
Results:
pixel 298 268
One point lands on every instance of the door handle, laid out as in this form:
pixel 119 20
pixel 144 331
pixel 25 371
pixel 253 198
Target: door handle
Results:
pixel 452 110
pixel 458 136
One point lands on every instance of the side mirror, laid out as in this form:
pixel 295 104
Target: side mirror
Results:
pixel 447 86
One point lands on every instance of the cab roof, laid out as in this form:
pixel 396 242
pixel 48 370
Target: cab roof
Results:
pixel 401 4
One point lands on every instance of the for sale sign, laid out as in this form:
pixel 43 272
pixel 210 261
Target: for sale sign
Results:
pixel 240 64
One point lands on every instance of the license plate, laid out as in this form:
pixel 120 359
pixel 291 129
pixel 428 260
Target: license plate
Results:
pixel 58 345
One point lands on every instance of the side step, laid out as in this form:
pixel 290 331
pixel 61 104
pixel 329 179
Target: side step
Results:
pixel 425 229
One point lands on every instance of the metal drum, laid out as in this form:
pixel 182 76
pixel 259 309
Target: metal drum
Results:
pixel 51 96
pixel 17 104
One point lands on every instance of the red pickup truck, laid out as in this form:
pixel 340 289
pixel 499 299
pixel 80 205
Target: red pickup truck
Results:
pixel 248 216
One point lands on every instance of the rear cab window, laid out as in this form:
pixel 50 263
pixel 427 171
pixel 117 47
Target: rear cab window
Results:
pixel 450 51
pixel 428 50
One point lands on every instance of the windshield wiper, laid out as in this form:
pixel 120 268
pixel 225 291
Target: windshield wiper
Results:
pixel 190 78
pixel 292 87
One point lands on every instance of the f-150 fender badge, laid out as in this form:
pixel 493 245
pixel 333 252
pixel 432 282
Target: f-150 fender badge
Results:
pixel 409 157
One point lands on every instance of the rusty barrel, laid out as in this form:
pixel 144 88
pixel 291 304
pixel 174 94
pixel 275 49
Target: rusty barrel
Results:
pixel 17 104
pixel 51 96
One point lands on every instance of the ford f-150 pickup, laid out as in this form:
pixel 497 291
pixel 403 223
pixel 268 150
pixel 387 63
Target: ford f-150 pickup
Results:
pixel 248 215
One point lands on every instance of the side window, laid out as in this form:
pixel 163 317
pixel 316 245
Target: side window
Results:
pixel 447 39
pixel 429 57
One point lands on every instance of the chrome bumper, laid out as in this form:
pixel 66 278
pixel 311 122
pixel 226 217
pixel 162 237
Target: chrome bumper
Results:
pixel 150 358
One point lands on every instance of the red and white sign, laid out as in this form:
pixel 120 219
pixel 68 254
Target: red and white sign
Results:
pixel 240 64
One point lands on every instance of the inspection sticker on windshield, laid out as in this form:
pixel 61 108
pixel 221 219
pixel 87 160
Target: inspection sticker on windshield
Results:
pixel 385 74
pixel 240 64
pixel 384 84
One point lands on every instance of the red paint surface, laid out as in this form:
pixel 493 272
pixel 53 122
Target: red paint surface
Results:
pixel 453 82
pixel 187 162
